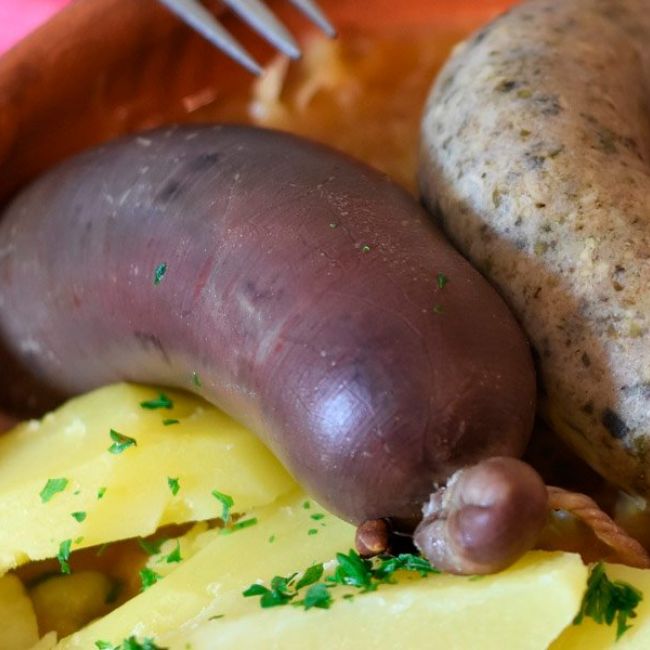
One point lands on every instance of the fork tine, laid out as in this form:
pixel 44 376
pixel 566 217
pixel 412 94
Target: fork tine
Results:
pixel 198 17
pixel 261 19
pixel 316 15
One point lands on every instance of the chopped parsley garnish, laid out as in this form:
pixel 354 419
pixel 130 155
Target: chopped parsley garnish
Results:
pixel 280 593
pixel 438 309
pixel 159 274
pixel 227 502
pixel 306 505
pixel 317 516
pixel 52 487
pixel 271 539
pixel 160 402
pixel 101 492
pixel 405 561
pixel 63 556
pixel 131 643
pixel 216 617
pixel 442 280
pixel 120 442
pixel 169 421
pixel 148 578
pixel 174 485
pixel 151 547
pixel 79 516
pixel 196 380
pixel 351 571
pixel 606 601
pixel 309 577
pixel 312 531
pixel 317 595
pixel 175 555
pixel 246 523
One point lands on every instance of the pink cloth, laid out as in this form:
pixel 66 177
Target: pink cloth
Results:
pixel 19 17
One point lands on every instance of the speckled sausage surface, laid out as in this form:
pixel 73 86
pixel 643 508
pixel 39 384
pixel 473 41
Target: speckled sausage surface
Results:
pixel 536 156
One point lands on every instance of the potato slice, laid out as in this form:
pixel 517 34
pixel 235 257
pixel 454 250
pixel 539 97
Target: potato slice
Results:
pixel 205 450
pixel 64 604
pixel 591 636
pixel 211 581
pixel 200 604
pixel 525 607
pixel 18 627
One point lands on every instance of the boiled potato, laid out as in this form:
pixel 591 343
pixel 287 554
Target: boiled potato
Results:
pixel 591 636
pixel 211 581
pixel 200 603
pixel 525 607
pixel 18 628
pixel 53 472
pixel 64 604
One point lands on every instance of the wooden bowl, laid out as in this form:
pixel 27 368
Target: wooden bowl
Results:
pixel 102 68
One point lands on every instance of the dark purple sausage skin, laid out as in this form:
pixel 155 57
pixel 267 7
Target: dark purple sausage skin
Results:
pixel 302 291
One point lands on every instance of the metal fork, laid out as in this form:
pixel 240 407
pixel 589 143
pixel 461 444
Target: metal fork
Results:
pixel 258 16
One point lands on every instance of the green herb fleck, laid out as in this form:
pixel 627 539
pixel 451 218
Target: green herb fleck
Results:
pixel 365 248
pixel 79 516
pixel 169 421
pixel 216 617
pixel 227 502
pixel 175 555
pixel 438 309
pixel 120 442
pixel 174 485
pixel 442 280
pixel 271 539
pixel 159 274
pixel 52 487
pixel 310 576
pixel 148 578
pixel 152 546
pixel 280 592
pixel 312 531
pixel 240 525
pixel 131 643
pixel 160 402
pixel 317 595
pixel 606 601
pixel 63 556
pixel 353 570
pixel 306 505
pixel 405 561
pixel 317 516
pixel 101 492
pixel 196 380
